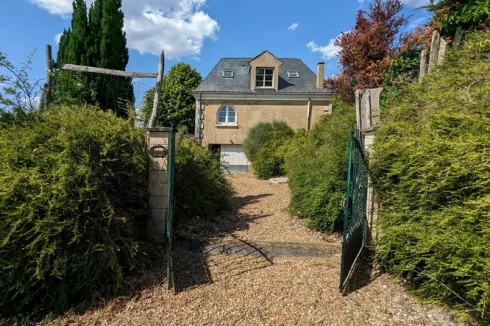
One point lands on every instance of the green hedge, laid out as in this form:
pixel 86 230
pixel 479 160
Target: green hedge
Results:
pixel 431 172
pixel 265 147
pixel 72 189
pixel 316 166
pixel 201 189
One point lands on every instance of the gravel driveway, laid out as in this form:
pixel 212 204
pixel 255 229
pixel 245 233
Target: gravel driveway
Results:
pixel 258 266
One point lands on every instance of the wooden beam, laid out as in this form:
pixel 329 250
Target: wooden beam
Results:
pixel 71 67
pixel 457 38
pixel 434 49
pixel 158 89
pixel 423 65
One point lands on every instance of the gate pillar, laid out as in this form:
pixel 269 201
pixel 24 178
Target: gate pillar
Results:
pixel 157 142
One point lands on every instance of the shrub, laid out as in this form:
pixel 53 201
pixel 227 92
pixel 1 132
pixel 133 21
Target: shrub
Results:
pixel 432 177
pixel 264 147
pixel 317 167
pixel 201 189
pixel 72 189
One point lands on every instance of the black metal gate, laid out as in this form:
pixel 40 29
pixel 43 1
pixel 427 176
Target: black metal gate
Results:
pixel 354 237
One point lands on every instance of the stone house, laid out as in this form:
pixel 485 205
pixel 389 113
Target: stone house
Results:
pixel 240 92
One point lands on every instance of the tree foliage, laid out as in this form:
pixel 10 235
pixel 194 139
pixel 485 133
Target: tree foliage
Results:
pixel 367 51
pixel 431 175
pixel 201 189
pixel 72 193
pixel 451 14
pixel 265 148
pixel 19 96
pixel 96 40
pixel 177 104
pixel 316 166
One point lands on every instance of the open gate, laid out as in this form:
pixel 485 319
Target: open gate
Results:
pixel 355 222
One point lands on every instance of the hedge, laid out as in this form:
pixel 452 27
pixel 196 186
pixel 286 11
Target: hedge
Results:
pixel 201 188
pixel 265 147
pixel 72 197
pixel 316 166
pixel 431 173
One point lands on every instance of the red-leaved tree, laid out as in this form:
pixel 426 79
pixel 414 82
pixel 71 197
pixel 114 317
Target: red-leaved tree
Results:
pixel 367 51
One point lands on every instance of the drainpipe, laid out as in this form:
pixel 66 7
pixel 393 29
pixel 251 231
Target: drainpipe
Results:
pixel 308 115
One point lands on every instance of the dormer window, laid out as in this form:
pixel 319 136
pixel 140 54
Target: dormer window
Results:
pixel 227 74
pixel 293 74
pixel 264 77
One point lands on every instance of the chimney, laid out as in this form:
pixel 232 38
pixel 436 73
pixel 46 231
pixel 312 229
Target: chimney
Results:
pixel 320 72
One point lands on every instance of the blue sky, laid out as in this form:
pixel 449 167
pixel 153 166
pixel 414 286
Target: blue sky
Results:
pixel 198 32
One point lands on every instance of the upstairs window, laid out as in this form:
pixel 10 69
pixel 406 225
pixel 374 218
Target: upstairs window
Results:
pixel 264 77
pixel 227 74
pixel 227 116
pixel 293 74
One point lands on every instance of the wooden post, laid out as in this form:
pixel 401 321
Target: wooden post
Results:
pixel 457 38
pixel 423 65
pixel 442 51
pixel 158 88
pixel 46 95
pixel 434 49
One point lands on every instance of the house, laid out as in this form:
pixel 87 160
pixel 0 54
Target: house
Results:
pixel 240 92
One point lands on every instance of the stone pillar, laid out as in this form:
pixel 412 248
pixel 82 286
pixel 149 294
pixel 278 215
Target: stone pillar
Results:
pixel 157 142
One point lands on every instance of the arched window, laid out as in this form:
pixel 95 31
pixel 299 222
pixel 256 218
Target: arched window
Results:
pixel 227 115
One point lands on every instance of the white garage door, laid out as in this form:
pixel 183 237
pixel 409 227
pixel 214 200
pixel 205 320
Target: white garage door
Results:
pixel 234 158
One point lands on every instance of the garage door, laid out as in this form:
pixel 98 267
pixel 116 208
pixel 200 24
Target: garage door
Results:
pixel 234 158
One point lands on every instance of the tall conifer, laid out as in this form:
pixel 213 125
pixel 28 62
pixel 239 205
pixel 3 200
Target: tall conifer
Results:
pixel 97 40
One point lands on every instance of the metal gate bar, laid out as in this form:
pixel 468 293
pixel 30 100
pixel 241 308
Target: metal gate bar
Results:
pixel 354 235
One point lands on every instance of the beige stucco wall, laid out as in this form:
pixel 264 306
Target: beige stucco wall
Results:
pixel 249 113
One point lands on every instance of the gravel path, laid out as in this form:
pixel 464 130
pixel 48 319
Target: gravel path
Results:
pixel 234 287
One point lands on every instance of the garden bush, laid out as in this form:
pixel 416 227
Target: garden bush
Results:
pixel 316 166
pixel 201 189
pixel 72 195
pixel 431 173
pixel 265 148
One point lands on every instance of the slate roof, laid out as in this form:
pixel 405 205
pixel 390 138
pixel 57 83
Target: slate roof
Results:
pixel 240 83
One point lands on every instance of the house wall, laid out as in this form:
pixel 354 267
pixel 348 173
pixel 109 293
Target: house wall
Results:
pixel 249 113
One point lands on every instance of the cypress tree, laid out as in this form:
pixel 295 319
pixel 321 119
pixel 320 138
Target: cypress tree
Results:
pixel 97 40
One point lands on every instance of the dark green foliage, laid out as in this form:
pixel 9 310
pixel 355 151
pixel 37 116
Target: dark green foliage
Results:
pixel 72 189
pixel 317 166
pixel 265 147
pixel 201 189
pixel 177 104
pixel 95 40
pixel 404 69
pixel 468 14
pixel 431 173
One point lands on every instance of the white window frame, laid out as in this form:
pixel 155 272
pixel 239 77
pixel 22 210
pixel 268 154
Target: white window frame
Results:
pixel 226 123
pixel 263 79
pixel 293 74
pixel 223 74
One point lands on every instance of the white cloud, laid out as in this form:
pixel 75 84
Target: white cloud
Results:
pixel 328 51
pixel 293 27
pixel 417 22
pixel 177 26
pixel 360 1
pixel 57 7
pixel 416 3
pixel 57 38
